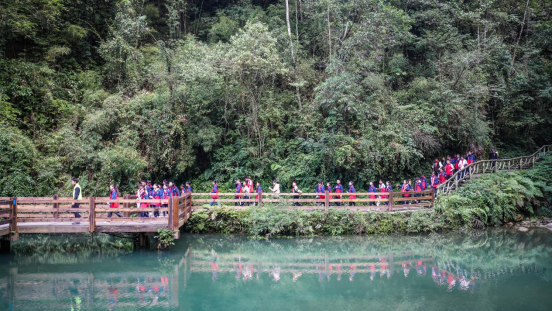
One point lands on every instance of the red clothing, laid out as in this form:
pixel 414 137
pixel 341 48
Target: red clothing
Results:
pixel 442 178
pixel 434 181
pixel 384 190
pixel 114 196
pixel 403 189
pixel 157 195
pixel 321 196
pixel 143 197
pixel 449 169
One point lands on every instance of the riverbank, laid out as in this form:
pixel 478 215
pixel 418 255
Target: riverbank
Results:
pixel 490 200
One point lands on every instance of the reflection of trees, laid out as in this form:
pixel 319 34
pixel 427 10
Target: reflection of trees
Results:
pixel 298 268
pixel 491 251
pixel 68 248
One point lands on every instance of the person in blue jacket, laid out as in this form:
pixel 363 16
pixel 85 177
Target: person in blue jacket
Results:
pixel 470 158
pixel 189 188
pixel 239 191
pixel 113 196
pixel 257 191
pixel 372 189
pixel 320 189
pixel 388 188
pixel 338 189
pixel 215 196
pixel 352 196
pixel 173 190
pixel 423 179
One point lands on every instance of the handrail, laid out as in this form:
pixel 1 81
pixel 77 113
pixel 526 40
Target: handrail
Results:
pixel 490 166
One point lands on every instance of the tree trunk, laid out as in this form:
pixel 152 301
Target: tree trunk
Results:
pixel 519 37
pixel 329 33
pixel 293 56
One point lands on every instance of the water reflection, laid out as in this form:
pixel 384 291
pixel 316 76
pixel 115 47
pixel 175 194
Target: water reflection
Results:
pixel 225 272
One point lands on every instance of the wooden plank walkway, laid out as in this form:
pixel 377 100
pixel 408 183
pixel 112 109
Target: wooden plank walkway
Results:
pixel 54 215
pixel 481 167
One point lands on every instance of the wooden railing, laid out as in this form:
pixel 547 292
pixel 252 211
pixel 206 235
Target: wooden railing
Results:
pixel 18 210
pixel 384 201
pixel 7 210
pixel 489 166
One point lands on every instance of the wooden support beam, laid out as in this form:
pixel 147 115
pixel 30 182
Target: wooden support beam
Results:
pixel 260 198
pixel 390 206
pixel 175 212
pixel 126 205
pixel 327 202
pixel 56 207
pixel 14 232
pixel 92 215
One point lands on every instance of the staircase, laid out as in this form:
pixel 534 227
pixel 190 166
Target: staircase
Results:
pixel 478 168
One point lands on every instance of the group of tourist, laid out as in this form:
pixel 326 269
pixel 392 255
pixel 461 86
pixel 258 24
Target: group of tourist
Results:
pixel 441 171
pixel 148 191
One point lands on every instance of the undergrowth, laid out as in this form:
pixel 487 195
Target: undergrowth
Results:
pixel 485 201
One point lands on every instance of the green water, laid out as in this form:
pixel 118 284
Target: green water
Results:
pixel 493 270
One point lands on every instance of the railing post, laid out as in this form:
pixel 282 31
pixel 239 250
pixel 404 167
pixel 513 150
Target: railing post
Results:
pixel 176 212
pixel 327 202
pixel 14 232
pixel 260 198
pixel 56 206
pixel 92 215
pixel 126 205
pixel 432 197
pixel 171 214
pixel 390 203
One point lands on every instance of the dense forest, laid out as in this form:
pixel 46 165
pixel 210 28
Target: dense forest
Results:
pixel 120 90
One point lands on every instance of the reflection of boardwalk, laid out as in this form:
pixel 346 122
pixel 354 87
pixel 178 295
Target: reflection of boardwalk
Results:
pixel 159 282
pixel 361 264
pixel 136 287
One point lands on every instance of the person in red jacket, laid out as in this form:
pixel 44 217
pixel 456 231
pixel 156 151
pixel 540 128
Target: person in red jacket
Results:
pixel 238 192
pixel 320 189
pixel 338 189
pixel 449 169
pixel 329 189
pixel 372 189
pixel 418 187
pixel 166 195
pixel 436 165
pixel 113 196
pixel 434 181
pixel 442 177
pixel 352 196
pixel 383 189
pixel 215 195
pixel 158 195
pixel 404 189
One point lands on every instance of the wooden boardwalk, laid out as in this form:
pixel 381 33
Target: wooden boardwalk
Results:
pixel 478 168
pixel 55 215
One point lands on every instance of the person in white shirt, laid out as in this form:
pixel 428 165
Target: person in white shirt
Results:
pixel 246 192
pixel 275 189
pixel 296 190
pixel 462 164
